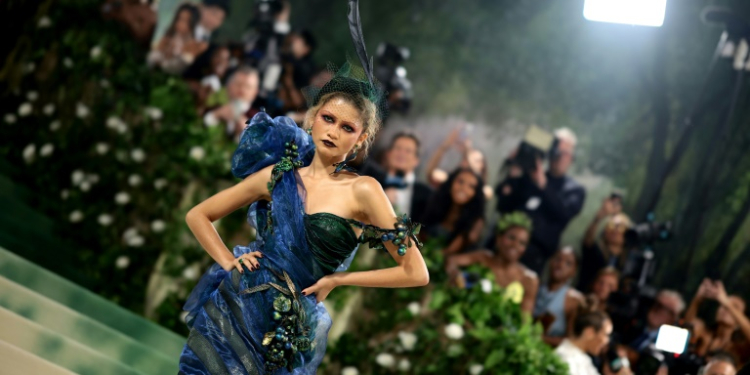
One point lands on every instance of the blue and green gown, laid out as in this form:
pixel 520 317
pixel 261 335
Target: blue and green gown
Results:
pixel 258 322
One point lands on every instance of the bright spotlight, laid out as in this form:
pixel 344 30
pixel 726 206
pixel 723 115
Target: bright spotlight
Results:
pixel 630 12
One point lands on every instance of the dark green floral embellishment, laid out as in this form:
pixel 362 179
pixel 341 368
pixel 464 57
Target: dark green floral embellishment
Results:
pixel 291 334
pixel 286 164
pixel 405 230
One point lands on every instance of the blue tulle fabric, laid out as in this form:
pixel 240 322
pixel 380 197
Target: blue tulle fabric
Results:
pixel 228 328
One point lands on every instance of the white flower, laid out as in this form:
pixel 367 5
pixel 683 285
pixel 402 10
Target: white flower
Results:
pixel 102 148
pixel 105 219
pixel 135 241
pixel 454 331
pixel 10 118
pixel 190 273
pixel 54 125
pixel 30 67
pixel 29 152
pixel 404 365
pixel 486 285
pixel 85 186
pixel 122 198
pixel 117 124
pixel 197 153
pixel 129 233
pixel 158 226
pixel 68 62
pixel 25 109
pixel 134 180
pixel 385 360
pixel 46 150
pixel 32 95
pixel 77 177
pixel 408 340
pixel 122 261
pixel 137 155
pixel 154 112
pixel 160 183
pixel 349 370
pixel 95 52
pixel 64 193
pixel 49 109
pixel 92 178
pixel 183 316
pixel 81 110
pixel 76 216
pixel 104 83
pixel 476 369
pixel 44 22
pixel 414 308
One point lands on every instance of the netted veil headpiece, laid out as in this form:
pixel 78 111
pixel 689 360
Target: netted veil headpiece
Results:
pixel 350 78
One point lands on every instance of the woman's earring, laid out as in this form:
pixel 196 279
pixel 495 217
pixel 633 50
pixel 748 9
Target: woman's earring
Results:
pixel 309 130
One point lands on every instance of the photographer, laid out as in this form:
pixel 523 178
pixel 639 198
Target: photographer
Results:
pixel 731 324
pixel 241 91
pixel 610 251
pixel 666 309
pixel 590 335
pixel 551 198
pixel 298 69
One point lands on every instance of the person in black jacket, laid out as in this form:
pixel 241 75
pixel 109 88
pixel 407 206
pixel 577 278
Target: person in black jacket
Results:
pixel 550 198
pixel 406 193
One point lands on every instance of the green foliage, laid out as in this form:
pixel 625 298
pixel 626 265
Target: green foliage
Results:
pixel 494 333
pixel 115 154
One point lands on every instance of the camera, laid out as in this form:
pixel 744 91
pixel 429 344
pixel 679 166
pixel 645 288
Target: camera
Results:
pixel 390 71
pixel 537 144
pixel 647 233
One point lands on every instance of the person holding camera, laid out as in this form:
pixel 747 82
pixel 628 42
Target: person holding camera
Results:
pixel 551 198
pixel 610 251
pixel 666 309
pixel 236 109
pixel 731 324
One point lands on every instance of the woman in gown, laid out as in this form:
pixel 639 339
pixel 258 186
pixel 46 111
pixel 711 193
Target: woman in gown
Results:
pixel 258 310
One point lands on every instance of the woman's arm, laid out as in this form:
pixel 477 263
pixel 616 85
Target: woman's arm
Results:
pixel 700 295
pixel 739 316
pixel 201 217
pixel 453 263
pixel 530 289
pixel 461 242
pixel 411 269
pixel 437 157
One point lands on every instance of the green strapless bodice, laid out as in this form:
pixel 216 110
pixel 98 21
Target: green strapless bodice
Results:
pixel 331 239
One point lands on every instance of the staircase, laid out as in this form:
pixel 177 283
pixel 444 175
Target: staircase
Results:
pixel 50 325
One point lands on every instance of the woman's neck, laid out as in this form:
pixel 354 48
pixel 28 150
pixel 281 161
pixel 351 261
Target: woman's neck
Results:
pixel 452 217
pixel 503 263
pixel 553 285
pixel 321 167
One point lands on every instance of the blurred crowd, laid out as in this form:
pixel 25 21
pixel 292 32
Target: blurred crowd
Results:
pixel 591 298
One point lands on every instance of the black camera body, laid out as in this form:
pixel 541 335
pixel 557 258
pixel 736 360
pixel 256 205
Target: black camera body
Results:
pixel 537 145
pixel 390 71
pixel 396 181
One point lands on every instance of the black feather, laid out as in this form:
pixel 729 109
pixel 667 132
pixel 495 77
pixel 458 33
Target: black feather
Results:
pixel 355 28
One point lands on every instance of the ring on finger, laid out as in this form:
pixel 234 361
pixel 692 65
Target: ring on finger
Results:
pixel 240 260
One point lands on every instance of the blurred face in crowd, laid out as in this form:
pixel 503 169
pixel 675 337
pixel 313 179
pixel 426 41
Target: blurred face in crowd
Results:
pixel 724 317
pixel 243 86
pixel 464 188
pixel 665 310
pixel 220 61
pixel 475 161
pixel 614 231
pixel 212 17
pixel 512 243
pixel 402 155
pixel 182 25
pixel 604 285
pixel 299 47
pixel 337 128
pixel 560 165
pixel 595 340
pixel 719 368
pixel 563 265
